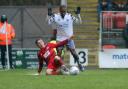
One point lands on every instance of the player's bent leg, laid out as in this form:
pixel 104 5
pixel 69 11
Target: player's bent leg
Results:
pixel 60 52
pixel 58 61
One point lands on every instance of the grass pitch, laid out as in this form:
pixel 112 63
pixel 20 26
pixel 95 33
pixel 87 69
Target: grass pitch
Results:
pixel 89 79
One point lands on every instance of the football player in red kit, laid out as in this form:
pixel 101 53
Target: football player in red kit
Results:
pixel 47 54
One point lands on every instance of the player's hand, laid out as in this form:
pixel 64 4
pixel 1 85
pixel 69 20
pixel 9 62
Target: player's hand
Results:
pixel 78 10
pixel 71 37
pixel 49 11
pixel 38 73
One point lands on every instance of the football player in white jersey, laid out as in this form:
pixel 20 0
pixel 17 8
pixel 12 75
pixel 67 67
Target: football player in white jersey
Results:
pixel 64 29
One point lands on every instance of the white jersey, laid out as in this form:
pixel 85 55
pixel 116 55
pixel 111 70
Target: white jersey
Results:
pixel 64 25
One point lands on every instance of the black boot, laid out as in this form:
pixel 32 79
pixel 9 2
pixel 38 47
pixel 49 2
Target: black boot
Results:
pixel 81 68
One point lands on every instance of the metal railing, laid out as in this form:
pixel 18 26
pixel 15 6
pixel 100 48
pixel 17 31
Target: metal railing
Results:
pixel 112 25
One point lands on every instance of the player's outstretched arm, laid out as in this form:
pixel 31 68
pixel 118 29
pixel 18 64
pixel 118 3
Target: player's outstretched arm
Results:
pixel 64 42
pixel 50 16
pixel 71 37
pixel 77 19
pixel 50 11
pixel 40 66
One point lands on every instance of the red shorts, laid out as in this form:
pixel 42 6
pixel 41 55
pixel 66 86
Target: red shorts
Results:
pixel 52 65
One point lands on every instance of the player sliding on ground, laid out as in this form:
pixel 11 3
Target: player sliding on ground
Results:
pixel 47 54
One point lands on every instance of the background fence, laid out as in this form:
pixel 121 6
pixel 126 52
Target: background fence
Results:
pixel 29 22
pixel 113 25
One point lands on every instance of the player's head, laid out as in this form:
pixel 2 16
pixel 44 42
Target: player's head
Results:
pixel 40 43
pixel 62 9
pixel 3 18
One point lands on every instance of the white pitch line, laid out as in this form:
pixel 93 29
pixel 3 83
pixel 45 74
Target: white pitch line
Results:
pixel 4 70
pixel 33 74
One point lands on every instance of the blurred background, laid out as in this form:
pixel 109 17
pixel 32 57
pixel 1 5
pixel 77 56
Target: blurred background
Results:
pixel 104 22
pixel 28 18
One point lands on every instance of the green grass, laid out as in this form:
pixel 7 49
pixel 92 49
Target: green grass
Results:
pixel 90 79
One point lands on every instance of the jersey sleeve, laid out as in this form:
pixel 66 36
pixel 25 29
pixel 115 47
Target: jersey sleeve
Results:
pixel 62 43
pixel 59 44
pixel 51 19
pixel 40 64
pixel 76 19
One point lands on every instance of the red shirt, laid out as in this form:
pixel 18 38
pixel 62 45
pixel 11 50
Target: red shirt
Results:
pixel 47 54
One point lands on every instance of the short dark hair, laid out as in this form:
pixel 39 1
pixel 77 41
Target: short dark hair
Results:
pixel 36 41
pixel 63 6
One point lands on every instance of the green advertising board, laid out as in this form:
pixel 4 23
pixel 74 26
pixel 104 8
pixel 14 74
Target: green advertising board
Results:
pixel 25 58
